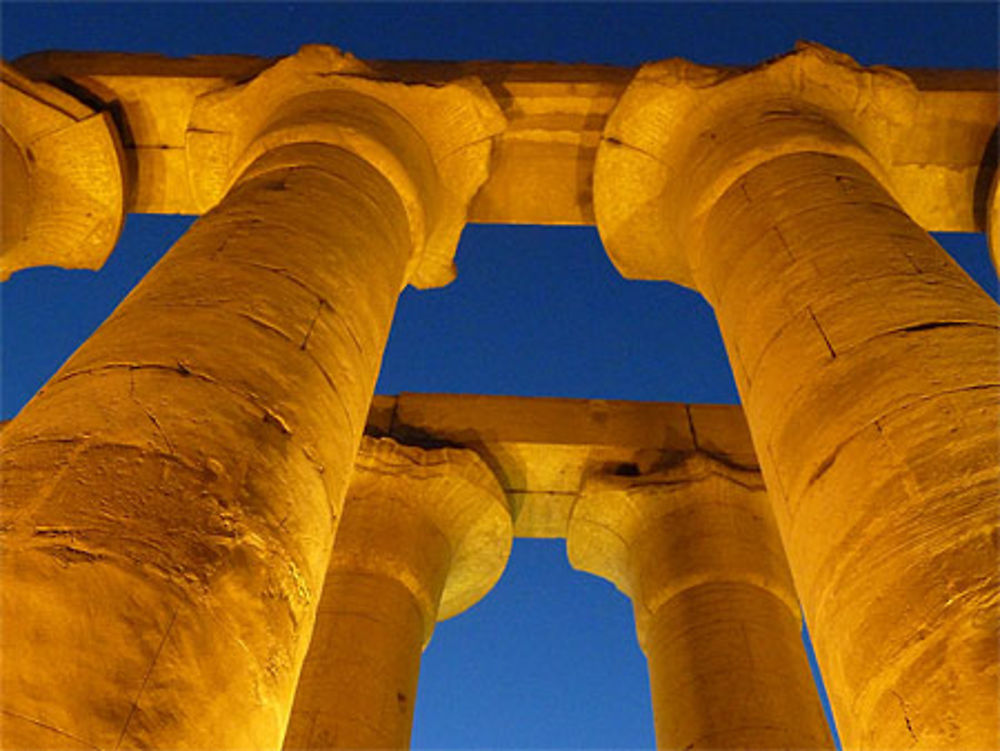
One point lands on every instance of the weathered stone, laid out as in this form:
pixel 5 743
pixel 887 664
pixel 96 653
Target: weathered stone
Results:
pixel 64 187
pixel 424 535
pixel 542 165
pixel 844 322
pixel 171 496
pixel 695 547
pixel 200 445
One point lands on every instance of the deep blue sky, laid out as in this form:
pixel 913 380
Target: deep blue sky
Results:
pixel 548 659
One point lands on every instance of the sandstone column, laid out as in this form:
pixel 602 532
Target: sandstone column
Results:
pixel 63 190
pixel 993 220
pixel 170 496
pixel 425 534
pixel 696 549
pixel 866 359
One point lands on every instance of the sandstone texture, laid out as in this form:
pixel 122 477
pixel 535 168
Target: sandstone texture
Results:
pixel 171 495
pixel 425 534
pixel 867 361
pixel 213 537
pixel 695 546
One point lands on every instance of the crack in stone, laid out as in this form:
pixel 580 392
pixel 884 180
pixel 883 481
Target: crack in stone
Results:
pixel 269 415
pixel 690 420
pixel 70 554
pixel 149 414
pixel 322 301
pixel 53 728
pixel 259 322
pixel 826 339
pixel 145 680
pixel 312 323
pixel 906 716
pixel 333 387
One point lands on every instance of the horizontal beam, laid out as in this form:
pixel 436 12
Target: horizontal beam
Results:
pixel 941 159
pixel 542 449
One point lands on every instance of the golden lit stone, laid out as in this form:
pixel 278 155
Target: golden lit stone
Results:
pixel 172 495
pixel 204 436
pixel 425 534
pixel 867 361
pixel 695 547
pixel 64 185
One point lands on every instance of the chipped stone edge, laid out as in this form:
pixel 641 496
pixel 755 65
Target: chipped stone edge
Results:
pixel 644 192
pixel 456 122
pixel 76 177
pixel 462 497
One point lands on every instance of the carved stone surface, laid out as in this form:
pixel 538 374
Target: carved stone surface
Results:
pixel 172 495
pixel 855 341
pixel 695 547
pixel 64 178
pixel 424 535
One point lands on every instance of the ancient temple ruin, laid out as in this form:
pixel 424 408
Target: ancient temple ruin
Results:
pixel 215 538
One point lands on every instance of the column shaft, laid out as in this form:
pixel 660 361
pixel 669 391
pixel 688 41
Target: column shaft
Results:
pixel 722 635
pixel 168 495
pixel 868 365
pixel 424 535
pixel 697 550
pixel 727 670
pixel 359 683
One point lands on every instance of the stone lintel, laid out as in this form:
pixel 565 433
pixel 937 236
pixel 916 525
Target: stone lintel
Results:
pixel 542 449
pixel 543 163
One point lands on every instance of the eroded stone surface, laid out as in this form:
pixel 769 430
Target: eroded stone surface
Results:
pixel 866 359
pixel 171 495
pixel 695 547
pixel 424 535
pixel 64 178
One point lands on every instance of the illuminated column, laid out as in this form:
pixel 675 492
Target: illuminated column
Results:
pixel 63 190
pixel 170 496
pixel 696 549
pixel 993 220
pixel 425 534
pixel 866 359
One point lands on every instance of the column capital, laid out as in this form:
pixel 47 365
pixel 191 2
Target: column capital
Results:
pixel 453 490
pixel 682 133
pixel 432 143
pixel 64 181
pixel 657 535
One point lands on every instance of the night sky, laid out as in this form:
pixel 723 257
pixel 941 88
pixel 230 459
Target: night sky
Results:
pixel 548 659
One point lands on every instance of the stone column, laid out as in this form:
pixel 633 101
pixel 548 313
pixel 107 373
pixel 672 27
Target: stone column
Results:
pixel 993 219
pixel 866 359
pixel 170 496
pixel 696 549
pixel 425 534
pixel 63 190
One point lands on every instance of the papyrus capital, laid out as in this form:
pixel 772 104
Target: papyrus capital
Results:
pixel 431 142
pixel 459 495
pixel 64 180
pixel 682 133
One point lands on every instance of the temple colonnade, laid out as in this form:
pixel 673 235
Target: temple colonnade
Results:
pixel 197 529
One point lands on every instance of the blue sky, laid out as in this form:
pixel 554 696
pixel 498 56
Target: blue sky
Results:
pixel 548 659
